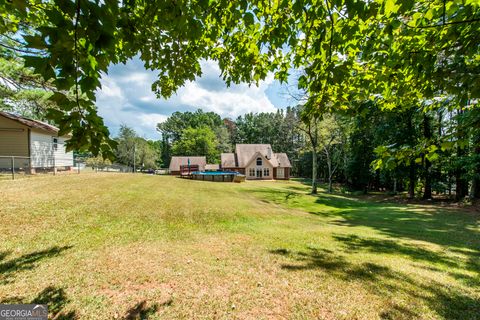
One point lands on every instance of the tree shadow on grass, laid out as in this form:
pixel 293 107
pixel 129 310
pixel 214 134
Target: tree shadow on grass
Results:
pixel 143 310
pixel 327 260
pixel 439 226
pixel 298 196
pixel 448 302
pixel 452 229
pixel 4 254
pixel 55 298
pixel 9 268
pixel 354 243
pixel 453 264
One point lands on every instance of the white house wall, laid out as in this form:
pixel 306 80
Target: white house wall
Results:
pixel 43 153
pixel 63 158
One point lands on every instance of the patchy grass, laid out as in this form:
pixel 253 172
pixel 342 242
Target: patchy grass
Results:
pixel 103 246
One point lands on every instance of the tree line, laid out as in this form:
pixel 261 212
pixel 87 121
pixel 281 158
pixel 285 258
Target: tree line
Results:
pixel 399 81
pixel 367 149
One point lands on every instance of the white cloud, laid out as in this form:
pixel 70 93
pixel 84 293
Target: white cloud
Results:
pixel 229 102
pixel 151 120
pixel 126 97
pixel 109 89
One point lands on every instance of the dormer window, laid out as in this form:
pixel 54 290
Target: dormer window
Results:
pixel 259 161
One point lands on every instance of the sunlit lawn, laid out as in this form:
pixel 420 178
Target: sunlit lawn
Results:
pixel 103 246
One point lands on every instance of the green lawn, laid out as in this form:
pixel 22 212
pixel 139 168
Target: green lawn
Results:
pixel 103 246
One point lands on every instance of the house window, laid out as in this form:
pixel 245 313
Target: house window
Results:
pixel 259 161
pixel 266 172
pixel 280 173
pixel 251 172
pixel 55 144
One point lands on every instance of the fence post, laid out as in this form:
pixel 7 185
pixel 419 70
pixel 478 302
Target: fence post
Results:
pixel 54 168
pixel 78 167
pixel 13 168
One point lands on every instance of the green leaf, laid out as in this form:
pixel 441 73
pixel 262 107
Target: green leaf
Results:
pixel 249 18
pixel 390 7
pixel 429 14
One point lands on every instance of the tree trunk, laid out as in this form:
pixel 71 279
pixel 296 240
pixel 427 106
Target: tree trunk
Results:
pixel 412 175
pixel 476 178
pixel 427 193
pixel 461 185
pixel 329 165
pixel 475 193
pixel 476 186
pixel 449 184
pixel 412 181
pixel 427 133
pixel 314 171
pixel 330 181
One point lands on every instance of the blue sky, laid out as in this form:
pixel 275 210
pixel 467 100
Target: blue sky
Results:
pixel 126 97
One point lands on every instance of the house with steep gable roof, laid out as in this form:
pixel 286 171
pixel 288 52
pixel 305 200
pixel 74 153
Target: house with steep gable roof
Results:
pixel 257 162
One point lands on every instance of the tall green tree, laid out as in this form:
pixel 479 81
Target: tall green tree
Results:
pixel 175 126
pixel 21 90
pixel 310 126
pixel 172 129
pixel 133 150
pixel 331 140
pixel 197 142
pixel 279 129
pixel 371 47
pixel 398 53
pixel 125 151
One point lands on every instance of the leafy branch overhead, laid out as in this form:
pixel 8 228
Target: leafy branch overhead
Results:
pixel 397 52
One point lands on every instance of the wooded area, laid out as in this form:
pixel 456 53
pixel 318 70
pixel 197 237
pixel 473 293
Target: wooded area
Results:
pixel 368 150
pixel 389 89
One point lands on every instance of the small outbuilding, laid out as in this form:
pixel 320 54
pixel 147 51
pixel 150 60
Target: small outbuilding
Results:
pixel 179 164
pixel 36 144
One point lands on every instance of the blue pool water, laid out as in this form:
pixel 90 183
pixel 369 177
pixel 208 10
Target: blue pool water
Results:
pixel 215 173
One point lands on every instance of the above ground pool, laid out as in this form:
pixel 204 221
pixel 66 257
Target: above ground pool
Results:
pixel 218 176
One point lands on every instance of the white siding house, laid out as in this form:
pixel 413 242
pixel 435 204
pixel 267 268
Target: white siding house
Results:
pixel 36 140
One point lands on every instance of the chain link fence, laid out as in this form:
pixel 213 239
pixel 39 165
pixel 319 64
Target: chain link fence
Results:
pixel 51 158
pixel 18 167
pixel 14 167
pixel 86 165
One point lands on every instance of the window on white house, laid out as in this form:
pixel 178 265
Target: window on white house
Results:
pixel 266 172
pixel 251 172
pixel 259 161
pixel 55 144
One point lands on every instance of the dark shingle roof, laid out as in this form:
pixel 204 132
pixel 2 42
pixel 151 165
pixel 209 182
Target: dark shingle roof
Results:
pixel 176 162
pixel 30 122
pixel 228 160
pixel 245 152
pixel 283 161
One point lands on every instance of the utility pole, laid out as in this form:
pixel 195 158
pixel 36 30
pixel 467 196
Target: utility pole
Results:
pixel 134 155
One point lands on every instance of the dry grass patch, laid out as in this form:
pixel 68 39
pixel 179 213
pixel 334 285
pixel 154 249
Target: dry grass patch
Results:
pixel 103 246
